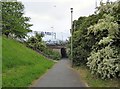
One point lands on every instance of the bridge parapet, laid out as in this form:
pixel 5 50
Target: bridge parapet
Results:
pixel 56 46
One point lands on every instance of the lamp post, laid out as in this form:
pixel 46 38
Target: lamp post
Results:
pixel 52 32
pixel 71 36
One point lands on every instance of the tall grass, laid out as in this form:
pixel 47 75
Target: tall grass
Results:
pixel 21 65
pixel 93 81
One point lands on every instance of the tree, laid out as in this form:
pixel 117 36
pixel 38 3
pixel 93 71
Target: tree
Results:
pixel 82 42
pixel 13 21
pixel 96 41
pixel 35 42
pixel 104 60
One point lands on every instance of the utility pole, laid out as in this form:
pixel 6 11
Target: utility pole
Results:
pixel 71 36
pixel 55 35
pixel 95 4
pixel 62 36
pixel 107 1
pixel 52 33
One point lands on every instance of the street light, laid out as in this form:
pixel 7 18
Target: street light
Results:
pixel 52 32
pixel 71 36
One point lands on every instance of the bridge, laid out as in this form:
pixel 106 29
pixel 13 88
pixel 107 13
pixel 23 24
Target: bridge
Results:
pixel 62 49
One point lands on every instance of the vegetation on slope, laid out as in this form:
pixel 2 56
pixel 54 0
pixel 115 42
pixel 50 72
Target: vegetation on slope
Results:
pixel 21 65
pixel 36 43
pixel 96 41
pixel 93 81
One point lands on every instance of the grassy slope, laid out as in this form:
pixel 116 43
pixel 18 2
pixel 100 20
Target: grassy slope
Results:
pixel 92 81
pixel 21 65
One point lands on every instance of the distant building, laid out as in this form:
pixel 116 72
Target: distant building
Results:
pixel 51 37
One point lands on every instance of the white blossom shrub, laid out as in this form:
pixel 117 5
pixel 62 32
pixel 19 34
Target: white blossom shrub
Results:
pixel 105 63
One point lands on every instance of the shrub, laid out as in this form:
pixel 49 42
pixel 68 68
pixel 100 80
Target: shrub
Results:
pixel 105 63
pixel 104 60
pixel 36 43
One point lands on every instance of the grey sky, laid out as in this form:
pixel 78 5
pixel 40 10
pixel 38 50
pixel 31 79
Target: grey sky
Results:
pixel 45 14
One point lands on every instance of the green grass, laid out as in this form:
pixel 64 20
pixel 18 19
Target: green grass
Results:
pixel 93 81
pixel 21 65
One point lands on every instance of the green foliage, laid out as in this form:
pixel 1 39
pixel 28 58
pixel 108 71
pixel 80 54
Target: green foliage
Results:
pixel 107 23
pixel 104 60
pixel 82 43
pixel 96 41
pixel 93 81
pixel 21 65
pixel 105 63
pixel 13 22
pixel 36 43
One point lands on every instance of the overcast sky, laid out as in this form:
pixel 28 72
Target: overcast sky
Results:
pixel 54 15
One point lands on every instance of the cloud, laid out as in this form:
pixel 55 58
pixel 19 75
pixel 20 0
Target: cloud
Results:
pixel 38 16
pixel 45 14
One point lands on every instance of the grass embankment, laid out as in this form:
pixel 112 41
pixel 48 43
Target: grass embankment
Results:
pixel 21 65
pixel 92 81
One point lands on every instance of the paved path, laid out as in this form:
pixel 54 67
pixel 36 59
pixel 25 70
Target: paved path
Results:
pixel 61 75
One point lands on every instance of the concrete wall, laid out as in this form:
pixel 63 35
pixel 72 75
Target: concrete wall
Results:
pixel 58 48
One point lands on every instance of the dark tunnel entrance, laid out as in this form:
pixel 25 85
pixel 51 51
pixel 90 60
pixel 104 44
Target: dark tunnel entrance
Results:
pixel 63 53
